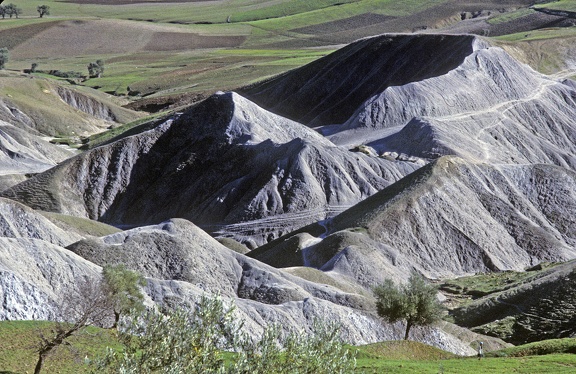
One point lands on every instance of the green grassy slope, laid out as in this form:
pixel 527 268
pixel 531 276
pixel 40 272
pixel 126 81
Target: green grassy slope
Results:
pixel 568 5
pixel 17 339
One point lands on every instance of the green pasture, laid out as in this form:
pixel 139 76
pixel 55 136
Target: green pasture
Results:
pixel 18 338
pixel 542 34
pixel 196 71
pixel 391 8
pixel 507 17
pixel 569 5
pixel 224 11
pixel 484 284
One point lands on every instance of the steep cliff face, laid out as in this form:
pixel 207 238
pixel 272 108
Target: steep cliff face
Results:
pixel 87 104
pixel 22 152
pixel 19 221
pixel 425 96
pixel 490 108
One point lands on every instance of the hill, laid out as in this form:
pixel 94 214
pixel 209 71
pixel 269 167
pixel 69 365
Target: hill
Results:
pixel 439 153
pixel 247 165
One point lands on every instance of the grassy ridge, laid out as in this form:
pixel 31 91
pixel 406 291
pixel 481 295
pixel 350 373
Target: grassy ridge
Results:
pixel 18 338
pixel 568 5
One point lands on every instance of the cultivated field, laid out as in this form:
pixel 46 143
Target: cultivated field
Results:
pixel 156 49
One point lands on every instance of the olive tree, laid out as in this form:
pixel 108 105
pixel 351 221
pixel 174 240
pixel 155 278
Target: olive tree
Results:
pixel 12 10
pixel 195 339
pixel 86 304
pixel 43 10
pixel 122 287
pixel 416 302
pixel 96 69
pixel 92 302
pixel 178 340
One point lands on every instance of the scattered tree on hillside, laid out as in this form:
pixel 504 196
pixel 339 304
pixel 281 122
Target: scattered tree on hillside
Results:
pixel 123 289
pixel 86 305
pixel 43 10
pixel 3 11
pixel 193 340
pixel 3 57
pixel 416 302
pixel 96 69
pixel 33 67
pixel 12 10
pixel 94 302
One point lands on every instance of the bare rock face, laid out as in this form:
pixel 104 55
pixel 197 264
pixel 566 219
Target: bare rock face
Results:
pixel 490 108
pixel 181 263
pixel 87 104
pixel 425 96
pixel 33 276
pixel 329 90
pixel 450 218
pixel 37 110
pixel 464 162
pixel 18 221
pixel 178 250
pixel 223 162
pixel 24 153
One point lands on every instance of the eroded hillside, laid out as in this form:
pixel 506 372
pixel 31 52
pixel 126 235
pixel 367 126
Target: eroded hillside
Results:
pixel 435 153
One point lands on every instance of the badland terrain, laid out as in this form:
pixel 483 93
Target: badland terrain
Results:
pixel 291 156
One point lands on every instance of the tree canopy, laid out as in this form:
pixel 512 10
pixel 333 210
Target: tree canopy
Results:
pixel 415 302
pixel 123 289
pixel 197 339
pixel 11 10
pixel 96 69
pixel 43 10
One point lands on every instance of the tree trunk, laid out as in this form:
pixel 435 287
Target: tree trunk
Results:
pixel 39 364
pixel 408 326
pixel 116 319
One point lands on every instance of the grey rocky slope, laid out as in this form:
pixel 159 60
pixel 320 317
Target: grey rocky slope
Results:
pixel 45 107
pixel 450 218
pixel 23 153
pixel 490 108
pixel 19 221
pixel 181 262
pixel 506 203
pixel 431 95
pixel 331 89
pixel 223 162
pixel 35 111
